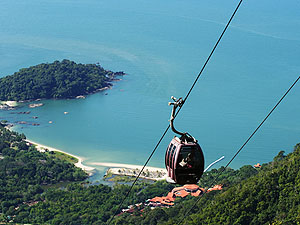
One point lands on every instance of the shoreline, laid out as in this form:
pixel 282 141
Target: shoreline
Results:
pixel 79 164
pixel 121 169
pixel 107 85
pixel 124 165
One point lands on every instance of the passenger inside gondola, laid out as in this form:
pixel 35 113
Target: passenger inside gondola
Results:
pixel 187 162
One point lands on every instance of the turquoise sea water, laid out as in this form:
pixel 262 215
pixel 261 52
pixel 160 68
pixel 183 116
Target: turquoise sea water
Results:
pixel 161 45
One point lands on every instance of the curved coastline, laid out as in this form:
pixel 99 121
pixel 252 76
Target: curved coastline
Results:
pixel 79 164
pixel 112 167
pixel 157 173
pixel 121 169
pixel 123 165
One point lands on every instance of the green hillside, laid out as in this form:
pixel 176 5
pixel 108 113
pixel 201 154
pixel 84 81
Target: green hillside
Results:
pixel 268 195
pixel 31 188
pixel 25 172
pixel 272 196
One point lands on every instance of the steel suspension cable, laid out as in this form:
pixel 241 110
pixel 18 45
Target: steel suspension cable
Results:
pixel 240 149
pixel 186 97
pixel 136 179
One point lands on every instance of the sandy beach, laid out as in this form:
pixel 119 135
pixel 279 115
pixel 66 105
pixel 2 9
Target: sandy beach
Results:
pixel 9 103
pixel 79 164
pixel 153 173
pixel 129 166
pixel 149 172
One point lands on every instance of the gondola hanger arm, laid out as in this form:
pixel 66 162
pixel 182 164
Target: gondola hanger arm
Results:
pixel 177 103
pixel 185 136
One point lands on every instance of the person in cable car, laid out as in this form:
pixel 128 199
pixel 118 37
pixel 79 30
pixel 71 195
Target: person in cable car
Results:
pixel 187 162
pixel 184 157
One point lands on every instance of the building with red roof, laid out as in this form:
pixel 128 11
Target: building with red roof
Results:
pixel 160 201
pixel 257 165
pixel 197 193
pixel 183 191
pixel 188 189
pixel 217 187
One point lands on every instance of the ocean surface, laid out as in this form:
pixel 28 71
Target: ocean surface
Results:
pixel 161 45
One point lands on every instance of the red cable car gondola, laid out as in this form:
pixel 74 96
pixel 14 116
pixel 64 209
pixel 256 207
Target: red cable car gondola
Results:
pixel 184 157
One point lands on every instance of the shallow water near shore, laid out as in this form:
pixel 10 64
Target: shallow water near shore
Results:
pixel 161 45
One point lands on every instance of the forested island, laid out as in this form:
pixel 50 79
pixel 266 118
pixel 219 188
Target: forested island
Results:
pixel 266 195
pixel 57 80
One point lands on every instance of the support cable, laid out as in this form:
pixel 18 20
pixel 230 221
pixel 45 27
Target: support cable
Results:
pixel 240 149
pixel 186 97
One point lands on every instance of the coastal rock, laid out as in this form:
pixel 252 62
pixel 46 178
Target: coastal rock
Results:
pixel 120 73
pixel 10 103
pixel 28 112
pixel 34 105
pixel 6 107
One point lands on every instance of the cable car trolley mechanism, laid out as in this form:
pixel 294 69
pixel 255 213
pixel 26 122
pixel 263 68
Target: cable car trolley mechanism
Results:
pixel 184 157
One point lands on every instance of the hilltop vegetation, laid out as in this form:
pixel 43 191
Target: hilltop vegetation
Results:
pixel 28 193
pixel 272 196
pixel 65 79
pixel 269 195
pixel 24 171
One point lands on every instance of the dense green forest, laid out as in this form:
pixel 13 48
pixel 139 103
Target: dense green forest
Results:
pixel 24 172
pixel 65 79
pixel 268 195
pixel 272 196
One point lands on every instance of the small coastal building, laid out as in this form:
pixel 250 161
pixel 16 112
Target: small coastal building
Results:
pixel 34 105
pixel 188 189
pixel 257 165
pixel 217 187
pixel 161 201
pixel 183 191
pixel 167 201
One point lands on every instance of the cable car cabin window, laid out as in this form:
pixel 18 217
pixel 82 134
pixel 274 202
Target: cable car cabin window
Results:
pixel 171 145
pixel 168 153
pixel 189 158
pixel 171 155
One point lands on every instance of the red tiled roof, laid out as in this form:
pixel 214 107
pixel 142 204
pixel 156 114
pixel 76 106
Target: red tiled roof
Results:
pixel 197 193
pixel 181 193
pixel 177 189
pixel 215 188
pixel 192 187
pixel 171 196
pixel 168 203
pixel 155 199
pixel 257 165
pixel 162 200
